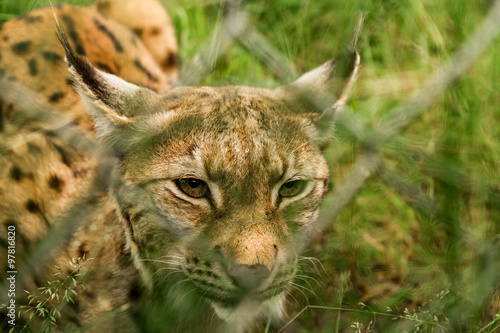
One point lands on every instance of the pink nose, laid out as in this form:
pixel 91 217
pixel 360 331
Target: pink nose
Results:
pixel 248 277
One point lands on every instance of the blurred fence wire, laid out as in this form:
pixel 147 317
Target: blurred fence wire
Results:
pixel 401 116
pixel 235 27
pixel 371 161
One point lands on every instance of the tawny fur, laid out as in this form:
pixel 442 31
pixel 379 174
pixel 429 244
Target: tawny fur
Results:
pixel 244 143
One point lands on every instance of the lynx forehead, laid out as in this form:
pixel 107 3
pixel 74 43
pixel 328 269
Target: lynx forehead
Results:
pixel 209 186
pixel 223 131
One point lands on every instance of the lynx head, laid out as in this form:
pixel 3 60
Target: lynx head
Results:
pixel 217 182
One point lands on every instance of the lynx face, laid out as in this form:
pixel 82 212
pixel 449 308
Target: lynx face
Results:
pixel 233 174
pixel 217 182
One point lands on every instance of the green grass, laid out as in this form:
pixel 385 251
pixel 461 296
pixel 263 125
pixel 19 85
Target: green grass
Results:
pixel 436 269
pixel 389 261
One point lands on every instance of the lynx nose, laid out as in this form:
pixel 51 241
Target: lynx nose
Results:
pixel 249 276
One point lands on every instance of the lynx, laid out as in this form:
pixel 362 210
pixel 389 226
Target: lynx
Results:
pixel 197 208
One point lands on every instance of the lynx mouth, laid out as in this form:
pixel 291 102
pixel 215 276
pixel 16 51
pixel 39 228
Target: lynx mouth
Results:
pixel 243 315
pixel 230 288
pixel 231 299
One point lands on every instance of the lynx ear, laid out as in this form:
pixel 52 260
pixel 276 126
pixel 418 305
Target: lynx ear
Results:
pixel 326 87
pixel 321 93
pixel 112 102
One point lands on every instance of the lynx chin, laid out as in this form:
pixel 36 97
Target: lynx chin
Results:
pixel 193 196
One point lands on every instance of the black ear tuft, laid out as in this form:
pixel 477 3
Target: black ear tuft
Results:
pixel 329 85
pixel 321 93
pixel 82 69
pixel 110 100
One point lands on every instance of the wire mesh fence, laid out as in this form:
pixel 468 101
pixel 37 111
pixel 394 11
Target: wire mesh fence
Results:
pixel 471 268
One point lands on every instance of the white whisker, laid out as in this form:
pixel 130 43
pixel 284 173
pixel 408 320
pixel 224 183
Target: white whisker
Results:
pixel 290 294
pixel 302 278
pixel 185 294
pixel 297 287
pixel 314 261
pixel 307 278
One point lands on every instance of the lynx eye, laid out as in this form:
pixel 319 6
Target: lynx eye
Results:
pixel 292 188
pixel 193 187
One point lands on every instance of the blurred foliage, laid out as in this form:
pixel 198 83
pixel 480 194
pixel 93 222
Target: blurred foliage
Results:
pixel 433 259
pixel 418 248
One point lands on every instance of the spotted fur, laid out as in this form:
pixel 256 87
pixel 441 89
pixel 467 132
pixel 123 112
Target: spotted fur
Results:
pixel 152 241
